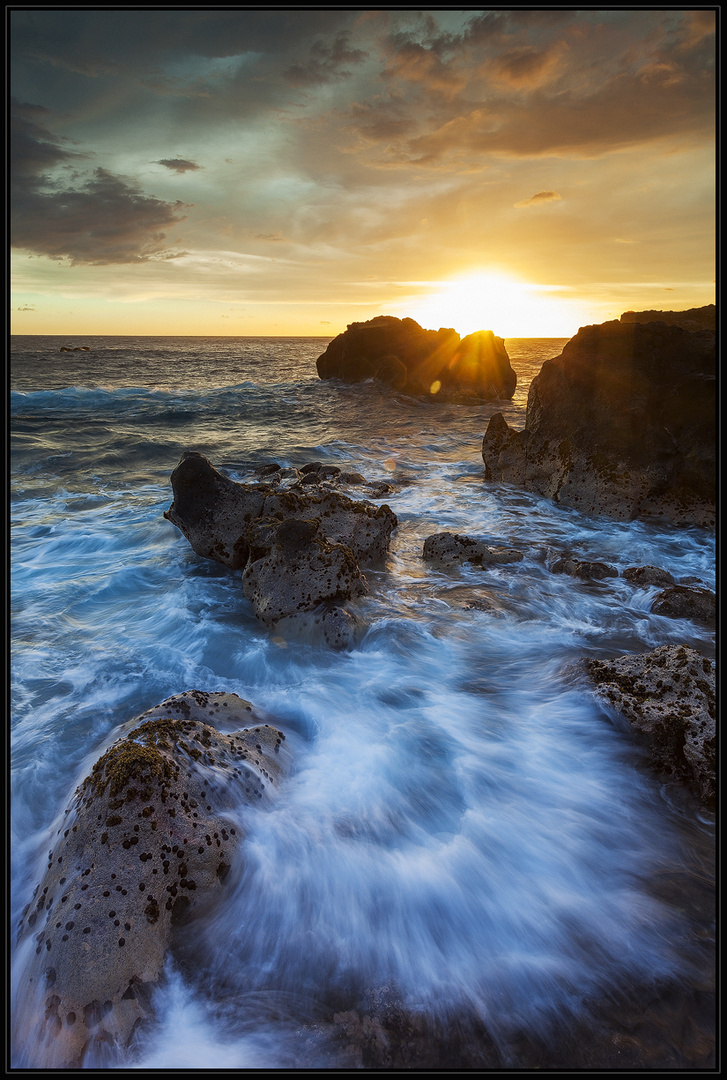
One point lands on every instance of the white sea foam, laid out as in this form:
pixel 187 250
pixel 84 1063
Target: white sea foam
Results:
pixel 461 820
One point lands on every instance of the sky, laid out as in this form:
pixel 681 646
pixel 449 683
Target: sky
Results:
pixel 287 172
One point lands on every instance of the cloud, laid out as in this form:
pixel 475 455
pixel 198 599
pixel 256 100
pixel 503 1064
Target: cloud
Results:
pixel 104 219
pixel 325 63
pixel 178 164
pixel 538 198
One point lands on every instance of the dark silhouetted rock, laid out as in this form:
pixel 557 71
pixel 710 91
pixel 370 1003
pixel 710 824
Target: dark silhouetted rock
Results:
pixel 144 846
pixel 622 423
pixel 668 696
pixel 402 355
pixel 701 318
pixel 450 549
pixel 686 602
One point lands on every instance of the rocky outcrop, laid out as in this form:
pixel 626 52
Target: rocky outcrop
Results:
pixel 668 697
pixel 145 845
pixel 299 547
pixel 686 602
pixel 622 423
pixel 450 549
pixel 435 363
pixel 701 318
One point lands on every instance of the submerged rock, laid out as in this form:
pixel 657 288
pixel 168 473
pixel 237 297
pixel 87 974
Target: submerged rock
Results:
pixel 583 568
pixel 451 549
pixel 622 423
pixel 668 696
pixel 402 355
pixel 145 846
pixel 643 576
pixel 686 602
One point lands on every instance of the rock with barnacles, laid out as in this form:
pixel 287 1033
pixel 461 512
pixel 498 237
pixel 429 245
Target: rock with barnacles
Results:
pixel 145 845
pixel 668 696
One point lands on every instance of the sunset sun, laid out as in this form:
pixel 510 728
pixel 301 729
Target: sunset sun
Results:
pixel 495 301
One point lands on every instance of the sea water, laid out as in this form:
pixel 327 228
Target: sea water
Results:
pixel 462 820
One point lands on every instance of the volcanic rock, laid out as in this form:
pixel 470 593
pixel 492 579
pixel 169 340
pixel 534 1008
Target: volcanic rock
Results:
pixel 145 845
pixel 647 575
pixel 582 568
pixel 294 569
pixel 685 602
pixel 668 696
pixel 622 423
pixel 215 513
pixel 402 355
pixel 451 549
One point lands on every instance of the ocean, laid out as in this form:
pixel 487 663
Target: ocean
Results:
pixel 462 824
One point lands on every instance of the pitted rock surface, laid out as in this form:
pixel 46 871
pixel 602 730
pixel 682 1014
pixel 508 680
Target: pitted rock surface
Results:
pixel 643 576
pixel 451 549
pixel 584 568
pixel 686 602
pixel 215 513
pixel 668 696
pixel 144 846
pixel 298 570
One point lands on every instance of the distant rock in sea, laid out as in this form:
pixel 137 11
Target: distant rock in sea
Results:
pixel 435 363
pixel 699 318
pixel 622 423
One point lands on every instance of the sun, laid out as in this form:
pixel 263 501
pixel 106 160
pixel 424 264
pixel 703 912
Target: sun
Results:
pixel 498 302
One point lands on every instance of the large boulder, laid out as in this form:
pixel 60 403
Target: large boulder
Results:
pixel 400 354
pixel 215 513
pixel 145 845
pixel 668 697
pixel 622 423
pixel 298 547
pixel 294 570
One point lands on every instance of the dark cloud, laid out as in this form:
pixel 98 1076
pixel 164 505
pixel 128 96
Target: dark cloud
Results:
pixel 326 62
pixel 104 219
pixel 178 164
pixel 539 197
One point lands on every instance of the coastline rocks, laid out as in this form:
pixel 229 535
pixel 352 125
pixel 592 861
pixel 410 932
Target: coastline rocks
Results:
pixel 701 318
pixel 643 576
pixel 582 568
pixel 668 696
pixel 298 548
pixel 144 847
pixel 622 423
pixel 685 602
pixel 411 360
pixel 450 549
pixel 293 568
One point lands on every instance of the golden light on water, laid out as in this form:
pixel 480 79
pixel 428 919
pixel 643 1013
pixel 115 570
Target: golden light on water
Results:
pixel 499 302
